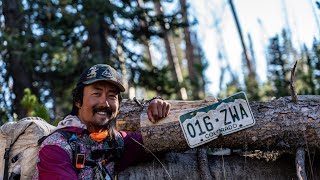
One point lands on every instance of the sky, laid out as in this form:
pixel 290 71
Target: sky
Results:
pixel 263 19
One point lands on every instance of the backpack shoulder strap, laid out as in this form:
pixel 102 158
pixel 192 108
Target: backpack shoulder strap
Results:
pixel 118 144
pixel 71 138
pixel 65 134
pixel 119 140
pixel 72 141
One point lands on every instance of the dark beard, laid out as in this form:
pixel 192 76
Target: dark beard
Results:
pixel 109 124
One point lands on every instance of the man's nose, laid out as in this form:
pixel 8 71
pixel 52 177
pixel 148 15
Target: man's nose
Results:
pixel 107 103
pixel 104 101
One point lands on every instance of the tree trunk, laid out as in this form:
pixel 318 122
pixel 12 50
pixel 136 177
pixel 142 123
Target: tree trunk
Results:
pixel 172 59
pixel 194 75
pixel 123 68
pixel 245 51
pixel 145 41
pixel 97 34
pixel 14 25
pixel 251 81
pixel 280 125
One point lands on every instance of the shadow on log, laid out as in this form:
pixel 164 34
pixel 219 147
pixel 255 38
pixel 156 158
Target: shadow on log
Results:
pixel 185 166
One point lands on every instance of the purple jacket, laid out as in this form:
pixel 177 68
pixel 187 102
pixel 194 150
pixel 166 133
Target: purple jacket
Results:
pixel 55 154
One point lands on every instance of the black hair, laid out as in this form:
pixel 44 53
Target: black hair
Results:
pixel 77 97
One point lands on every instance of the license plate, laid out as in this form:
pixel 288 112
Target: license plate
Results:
pixel 225 117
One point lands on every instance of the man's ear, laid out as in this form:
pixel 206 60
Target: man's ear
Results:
pixel 78 105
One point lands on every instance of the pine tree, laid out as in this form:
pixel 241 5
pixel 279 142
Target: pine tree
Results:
pixel 49 43
pixel 278 66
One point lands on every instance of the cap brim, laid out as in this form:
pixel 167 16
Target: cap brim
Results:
pixel 122 89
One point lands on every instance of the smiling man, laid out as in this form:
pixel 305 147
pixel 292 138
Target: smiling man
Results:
pixel 100 107
pixel 86 144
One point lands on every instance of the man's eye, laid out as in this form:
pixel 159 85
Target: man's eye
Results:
pixel 96 94
pixel 113 96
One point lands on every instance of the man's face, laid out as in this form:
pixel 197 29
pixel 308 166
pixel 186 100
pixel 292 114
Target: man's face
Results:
pixel 100 105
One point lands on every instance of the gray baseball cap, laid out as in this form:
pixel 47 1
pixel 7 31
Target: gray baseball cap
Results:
pixel 101 72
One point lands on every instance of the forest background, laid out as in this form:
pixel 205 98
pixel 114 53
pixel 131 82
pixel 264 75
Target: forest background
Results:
pixel 45 45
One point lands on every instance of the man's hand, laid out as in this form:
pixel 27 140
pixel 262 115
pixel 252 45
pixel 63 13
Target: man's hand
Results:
pixel 158 109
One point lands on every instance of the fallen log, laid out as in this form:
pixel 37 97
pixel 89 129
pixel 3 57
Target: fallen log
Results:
pixel 186 166
pixel 280 125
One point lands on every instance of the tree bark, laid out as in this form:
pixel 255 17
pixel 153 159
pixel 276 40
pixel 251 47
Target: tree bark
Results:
pixel 194 75
pixel 97 34
pixel 202 159
pixel 172 59
pixel 251 82
pixel 245 51
pixel 280 125
pixel 300 164
pixel 145 38
pixel 14 25
pixel 122 62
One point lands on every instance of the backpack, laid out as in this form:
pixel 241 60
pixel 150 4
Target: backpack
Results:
pixel 19 147
pixel 20 142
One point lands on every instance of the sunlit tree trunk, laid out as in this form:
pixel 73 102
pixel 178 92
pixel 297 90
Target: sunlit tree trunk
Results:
pixel 176 64
pixel 145 41
pixel 251 81
pixel 194 74
pixel 173 61
pixel 14 25
pixel 122 62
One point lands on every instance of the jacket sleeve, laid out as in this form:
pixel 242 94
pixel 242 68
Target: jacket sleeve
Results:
pixel 133 150
pixel 55 164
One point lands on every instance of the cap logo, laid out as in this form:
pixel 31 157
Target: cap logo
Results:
pixel 92 72
pixel 107 73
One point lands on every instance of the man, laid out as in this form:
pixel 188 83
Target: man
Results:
pixel 85 144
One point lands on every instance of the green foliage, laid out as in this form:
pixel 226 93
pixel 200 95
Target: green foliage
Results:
pixel 56 40
pixel 316 59
pixel 159 80
pixel 281 59
pixel 31 104
pixel 266 91
pixel 305 74
pixel 232 88
pixel 252 88
pixel 278 66
pixel 281 56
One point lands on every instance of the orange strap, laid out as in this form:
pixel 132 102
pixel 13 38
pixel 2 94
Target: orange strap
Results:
pixel 99 136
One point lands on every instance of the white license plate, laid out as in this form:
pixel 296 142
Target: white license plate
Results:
pixel 225 117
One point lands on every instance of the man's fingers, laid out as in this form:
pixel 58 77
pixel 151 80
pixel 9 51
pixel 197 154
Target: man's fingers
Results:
pixel 167 109
pixel 154 112
pixel 150 117
pixel 164 112
pixel 160 110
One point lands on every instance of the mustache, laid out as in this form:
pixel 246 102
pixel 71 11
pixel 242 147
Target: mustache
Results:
pixel 108 110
